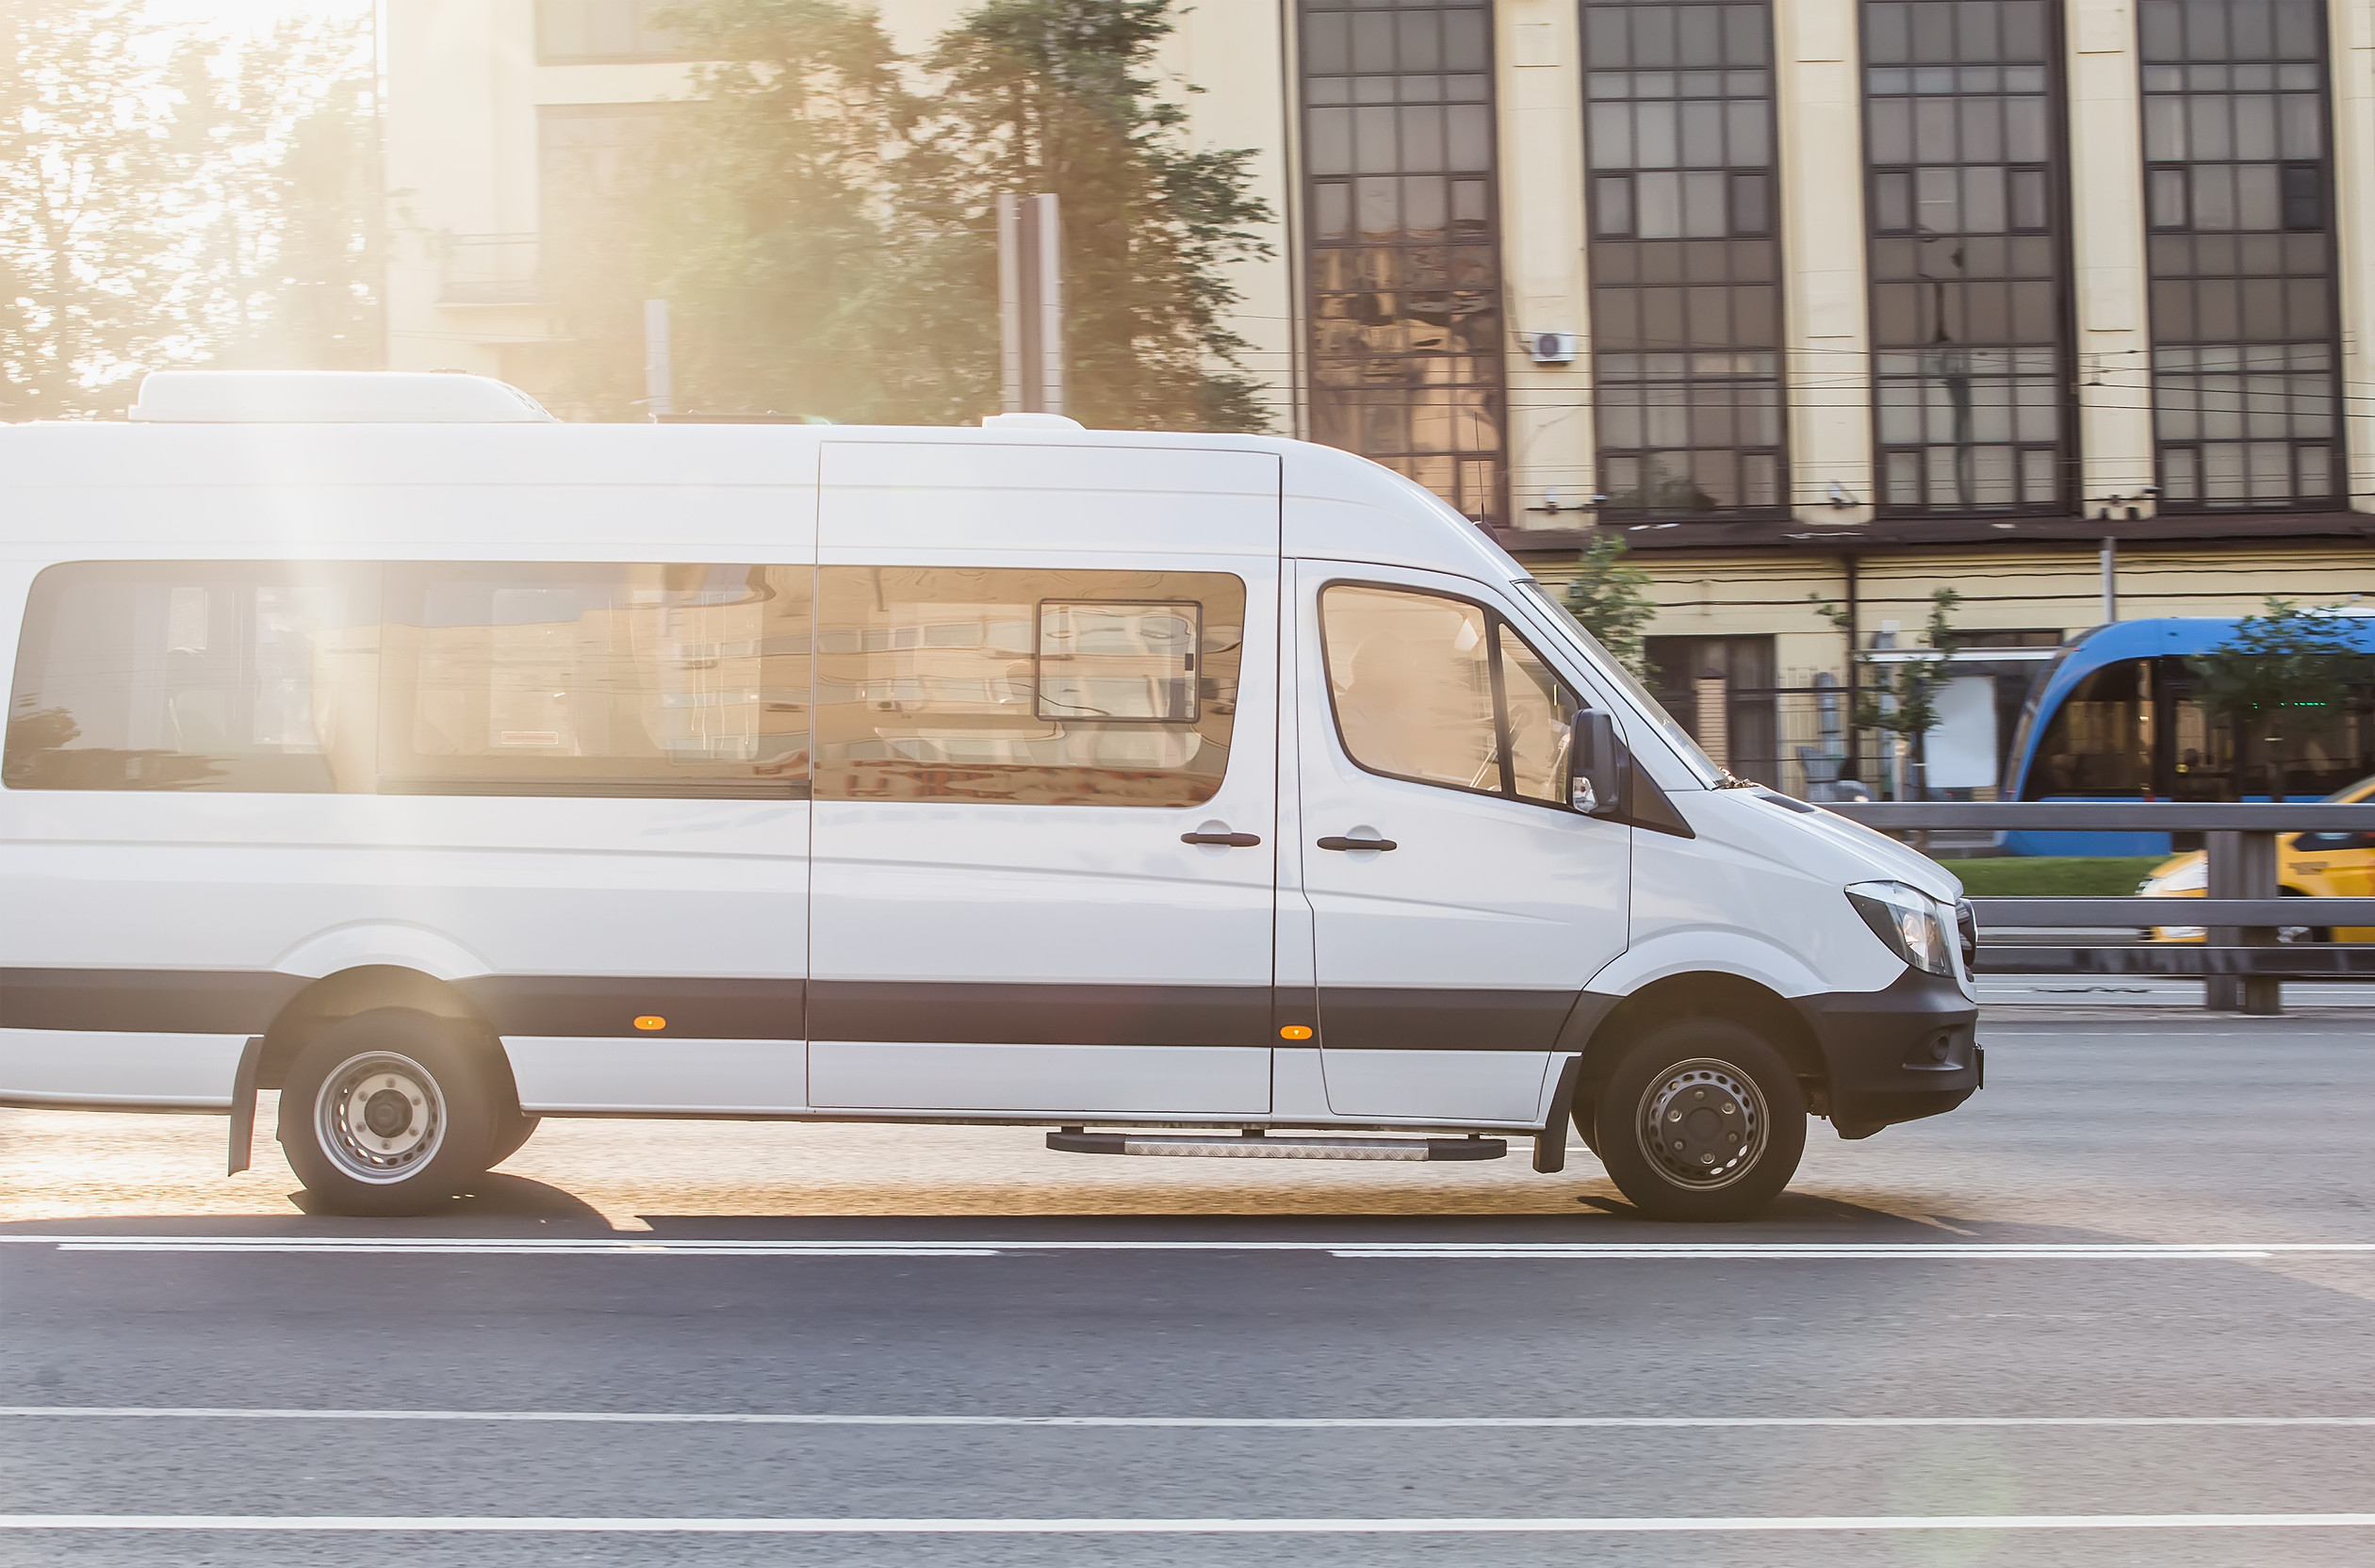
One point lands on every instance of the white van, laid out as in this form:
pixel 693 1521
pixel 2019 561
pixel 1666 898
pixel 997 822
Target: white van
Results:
pixel 381 740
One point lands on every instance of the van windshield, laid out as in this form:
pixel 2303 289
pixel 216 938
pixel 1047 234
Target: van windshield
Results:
pixel 1648 707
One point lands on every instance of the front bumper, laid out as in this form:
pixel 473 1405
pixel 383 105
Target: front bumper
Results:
pixel 1899 1053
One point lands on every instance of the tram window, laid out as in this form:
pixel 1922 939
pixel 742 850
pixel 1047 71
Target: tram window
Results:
pixel 2100 743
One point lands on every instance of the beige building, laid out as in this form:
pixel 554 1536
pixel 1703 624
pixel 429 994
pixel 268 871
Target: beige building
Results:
pixel 1812 301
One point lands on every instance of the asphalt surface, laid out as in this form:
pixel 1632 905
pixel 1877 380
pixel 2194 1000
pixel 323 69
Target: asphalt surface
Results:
pixel 2128 1288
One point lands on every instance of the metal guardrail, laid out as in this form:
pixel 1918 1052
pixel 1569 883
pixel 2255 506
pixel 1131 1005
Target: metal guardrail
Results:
pixel 2244 960
pixel 2091 912
pixel 2119 816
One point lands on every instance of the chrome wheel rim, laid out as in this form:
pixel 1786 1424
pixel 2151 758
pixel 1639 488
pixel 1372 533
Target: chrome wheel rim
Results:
pixel 380 1116
pixel 1703 1123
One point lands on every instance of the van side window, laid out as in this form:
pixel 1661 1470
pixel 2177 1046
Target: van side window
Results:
pixel 597 679
pixel 1024 686
pixel 415 679
pixel 1540 707
pixel 243 676
pixel 1439 691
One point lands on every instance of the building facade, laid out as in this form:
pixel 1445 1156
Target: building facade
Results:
pixel 1820 305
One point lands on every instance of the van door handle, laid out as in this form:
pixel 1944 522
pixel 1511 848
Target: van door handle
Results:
pixel 1234 841
pixel 1332 843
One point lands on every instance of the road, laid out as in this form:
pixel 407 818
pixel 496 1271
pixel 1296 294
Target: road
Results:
pixel 2131 1286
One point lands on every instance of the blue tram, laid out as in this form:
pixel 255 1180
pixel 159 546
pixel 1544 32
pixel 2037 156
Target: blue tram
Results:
pixel 2116 717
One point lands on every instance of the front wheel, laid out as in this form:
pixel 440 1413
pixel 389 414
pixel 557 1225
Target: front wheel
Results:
pixel 388 1112
pixel 1701 1119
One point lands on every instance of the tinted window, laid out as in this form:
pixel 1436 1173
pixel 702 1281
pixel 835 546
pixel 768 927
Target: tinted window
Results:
pixel 1539 708
pixel 195 675
pixel 595 679
pixel 1046 688
pixel 550 679
pixel 1439 691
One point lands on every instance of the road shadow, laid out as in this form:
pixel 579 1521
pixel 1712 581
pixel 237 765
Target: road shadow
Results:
pixel 494 1196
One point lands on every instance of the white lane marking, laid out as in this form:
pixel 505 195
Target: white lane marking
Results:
pixel 1290 1423
pixel 507 1525
pixel 1730 1251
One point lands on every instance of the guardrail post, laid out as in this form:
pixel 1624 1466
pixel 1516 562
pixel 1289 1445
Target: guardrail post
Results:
pixel 2242 865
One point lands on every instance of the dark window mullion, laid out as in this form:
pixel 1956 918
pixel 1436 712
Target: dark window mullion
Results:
pixel 1500 709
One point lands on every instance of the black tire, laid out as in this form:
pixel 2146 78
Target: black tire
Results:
pixel 1586 1115
pixel 512 1130
pixel 1704 1078
pixel 389 1112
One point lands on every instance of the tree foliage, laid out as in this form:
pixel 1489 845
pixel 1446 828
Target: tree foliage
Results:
pixel 1059 95
pixel 1902 699
pixel 1610 596
pixel 2283 678
pixel 820 218
pixel 86 270
pixel 171 197
pixel 760 210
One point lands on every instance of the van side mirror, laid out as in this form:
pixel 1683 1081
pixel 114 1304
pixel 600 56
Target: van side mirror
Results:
pixel 1594 758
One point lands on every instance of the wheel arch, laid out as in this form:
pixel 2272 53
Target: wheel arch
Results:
pixel 1704 994
pixel 362 990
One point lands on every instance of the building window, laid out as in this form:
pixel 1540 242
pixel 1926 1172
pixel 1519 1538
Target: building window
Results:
pixel 2244 358
pixel 1969 256
pixel 585 32
pixel 1686 297
pixel 1404 245
pixel 1725 692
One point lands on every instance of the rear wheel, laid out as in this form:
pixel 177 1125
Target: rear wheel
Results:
pixel 514 1130
pixel 1701 1119
pixel 387 1112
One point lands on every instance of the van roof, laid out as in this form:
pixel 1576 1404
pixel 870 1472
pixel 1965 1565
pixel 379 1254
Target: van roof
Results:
pixel 1358 509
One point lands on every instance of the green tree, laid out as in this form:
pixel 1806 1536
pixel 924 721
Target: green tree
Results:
pixel 1610 596
pixel 174 196
pixel 764 210
pixel 2283 679
pixel 1899 698
pixel 820 218
pixel 283 142
pixel 1060 95
pixel 86 265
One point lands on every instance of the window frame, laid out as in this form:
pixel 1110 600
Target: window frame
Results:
pixel 2182 463
pixel 1495 620
pixel 2059 232
pixel 1489 504
pixel 1039 663
pixel 1682 373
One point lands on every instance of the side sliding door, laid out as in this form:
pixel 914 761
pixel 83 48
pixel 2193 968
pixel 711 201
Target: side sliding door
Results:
pixel 1044 832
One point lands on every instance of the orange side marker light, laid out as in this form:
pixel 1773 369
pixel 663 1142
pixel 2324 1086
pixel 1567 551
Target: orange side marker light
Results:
pixel 651 1021
pixel 1295 1032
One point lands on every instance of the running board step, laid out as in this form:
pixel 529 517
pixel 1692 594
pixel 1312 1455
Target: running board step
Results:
pixel 1259 1146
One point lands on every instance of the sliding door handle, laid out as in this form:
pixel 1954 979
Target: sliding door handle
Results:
pixel 1234 841
pixel 1332 843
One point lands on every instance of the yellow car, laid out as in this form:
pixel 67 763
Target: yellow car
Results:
pixel 2330 865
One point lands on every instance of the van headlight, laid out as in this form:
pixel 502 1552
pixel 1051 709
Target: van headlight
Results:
pixel 1913 923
